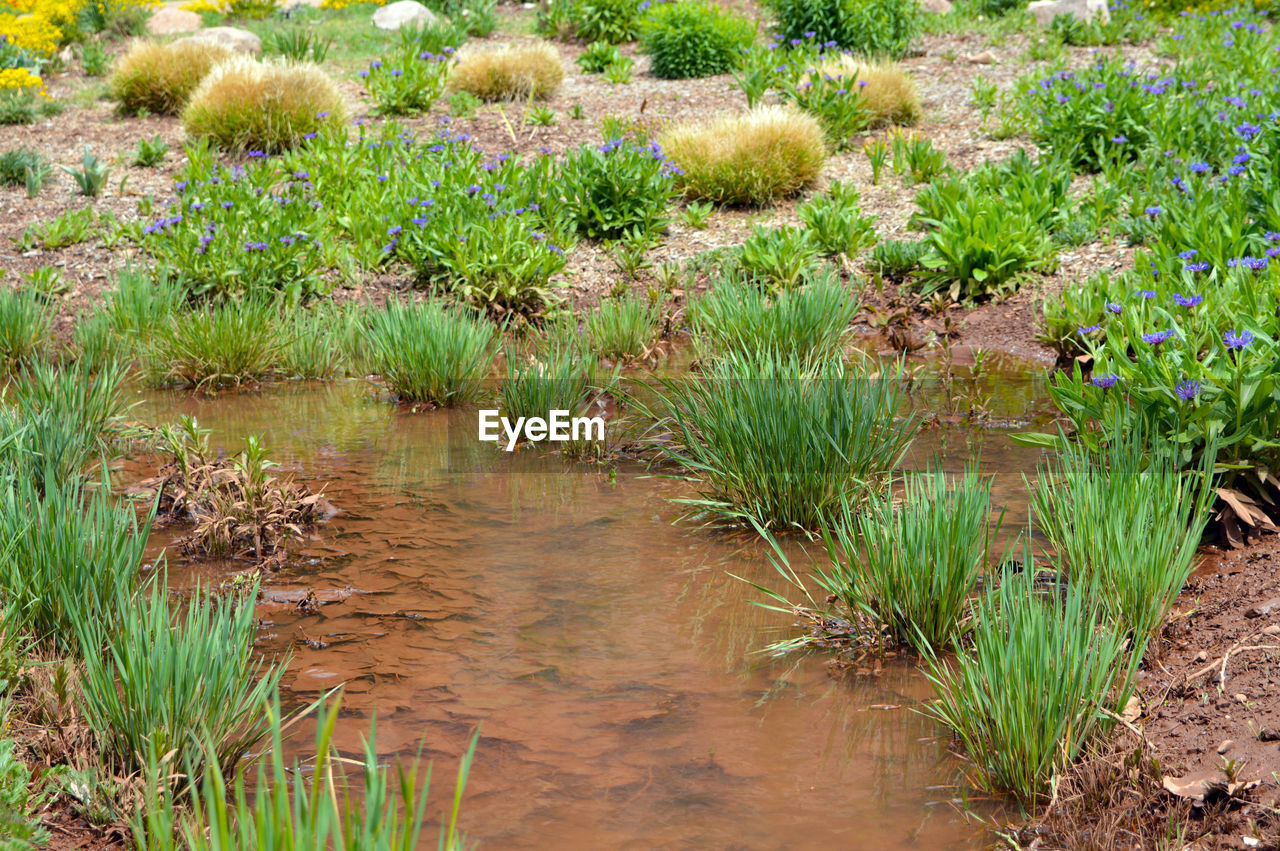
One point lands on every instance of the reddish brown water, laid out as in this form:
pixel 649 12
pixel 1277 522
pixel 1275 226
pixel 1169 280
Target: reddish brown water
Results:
pixel 609 658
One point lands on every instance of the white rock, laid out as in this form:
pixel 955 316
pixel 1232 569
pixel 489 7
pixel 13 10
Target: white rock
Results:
pixel 241 41
pixel 1046 10
pixel 937 7
pixel 171 20
pixel 405 13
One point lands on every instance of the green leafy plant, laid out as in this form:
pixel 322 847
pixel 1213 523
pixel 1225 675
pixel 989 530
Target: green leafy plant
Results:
pixel 781 258
pixel 694 39
pixel 463 104
pixel 70 227
pixel 92 176
pixel 618 72
pixel 298 44
pixel 598 56
pixel 875 28
pixel 23 167
pixel 877 151
pixel 25 320
pixel 836 223
pixel 94 58
pixel 620 187
pixel 541 116
pixel 696 214
pixel 150 152
pixel 407 83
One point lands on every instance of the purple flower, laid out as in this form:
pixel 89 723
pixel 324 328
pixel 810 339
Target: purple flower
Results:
pixel 1147 293
pixel 1106 380
pixel 1188 254
pixel 1238 340
pixel 1088 329
pixel 1200 168
pixel 257 155
pixel 1187 301
pixel 1157 337
pixel 1197 267
pixel 1187 390
pixel 1153 211
pixel 1119 140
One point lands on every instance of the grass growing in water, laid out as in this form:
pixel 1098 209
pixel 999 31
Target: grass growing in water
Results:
pixel 623 328
pixel 377 811
pixel 216 347
pixel 560 379
pixel 1036 685
pixel 1126 522
pixel 428 353
pixel 913 567
pixel 809 322
pixel 162 683
pixel 782 442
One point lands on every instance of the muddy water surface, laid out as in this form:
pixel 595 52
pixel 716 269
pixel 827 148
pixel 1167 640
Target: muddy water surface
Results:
pixel 604 650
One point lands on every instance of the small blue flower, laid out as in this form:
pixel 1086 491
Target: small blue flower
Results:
pixel 1187 390
pixel 1238 340
pixel 1187 301
pixel 1106 381
pixel 1157 337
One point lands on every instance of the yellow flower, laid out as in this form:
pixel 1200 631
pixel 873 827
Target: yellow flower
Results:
pixel 20 80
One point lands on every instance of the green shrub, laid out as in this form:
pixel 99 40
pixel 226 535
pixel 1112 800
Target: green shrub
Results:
pixel 20 803
pixel 913 566
pixel 215 347
pixel 694 39
pixel 870 27
pixel 407 83
pixel 623 328
pixel 427 353
pixel 808 323
pixel 619 189
pixel 1018 726
pixel 613 21
pixel 509 71
pixel 160 683
pixel 776 441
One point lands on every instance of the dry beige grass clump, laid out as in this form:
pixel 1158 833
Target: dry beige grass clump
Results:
pixel 244 104
pixel 748 158
pixel 159 78
pixel 887 92
pixel 508 71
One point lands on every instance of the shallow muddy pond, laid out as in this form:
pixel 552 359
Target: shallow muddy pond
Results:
pixel 606 653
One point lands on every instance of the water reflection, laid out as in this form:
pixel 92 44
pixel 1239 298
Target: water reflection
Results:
pixel 609 657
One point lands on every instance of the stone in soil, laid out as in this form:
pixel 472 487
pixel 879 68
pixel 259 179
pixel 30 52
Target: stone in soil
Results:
pixel 171 20
pixel 241 41
pixel 1045 11
pixel 405 13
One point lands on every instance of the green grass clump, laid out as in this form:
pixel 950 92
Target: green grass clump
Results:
pixel 428 353
pixel 267 106
pixel 623 328
pixel 1125 522
pixel 215 347
pixel 912 567
pixel 25 319
pixel 750 158
pixel 315 342
pixel 376 810
pixel 1031 692
pixel 780 442
pixel 809 322
pixel 70 556
pixel 159 78
pixel 558 379
pixel 163 683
